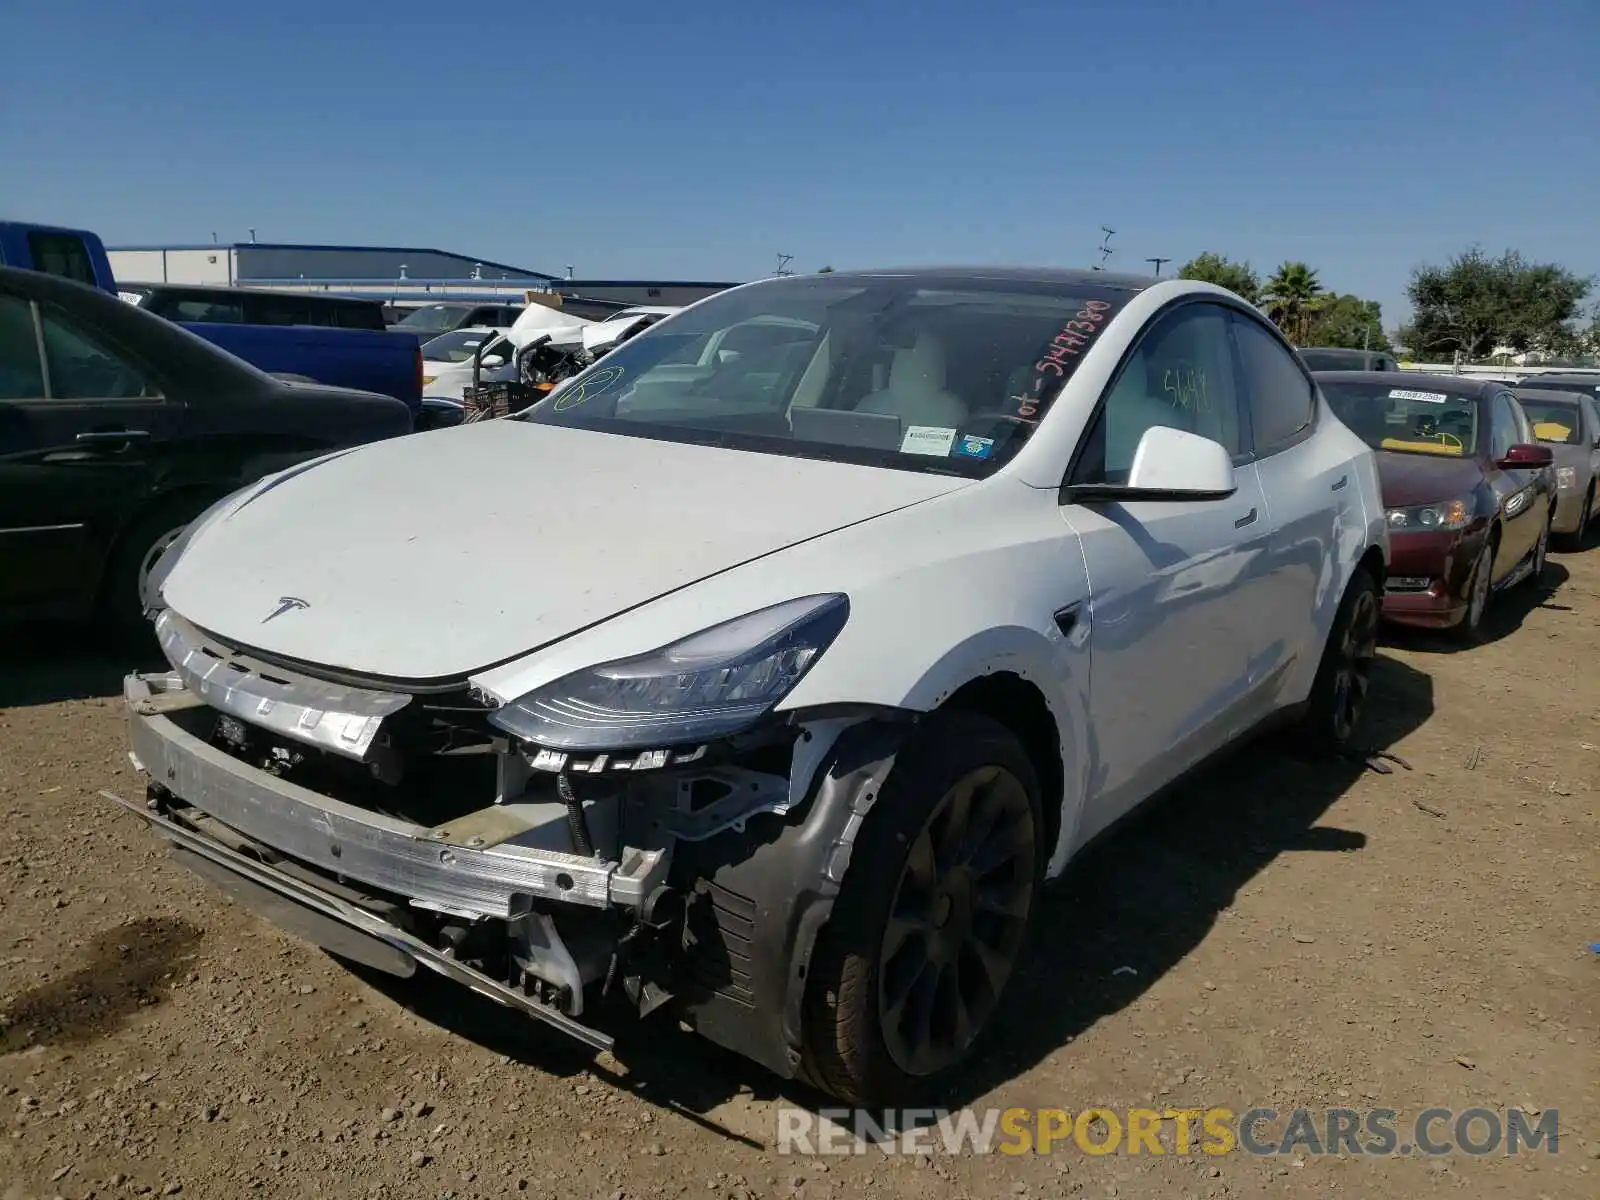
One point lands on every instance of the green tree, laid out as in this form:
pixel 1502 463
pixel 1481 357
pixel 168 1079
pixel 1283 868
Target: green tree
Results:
pixel 1474 304
pixel 1291 298
pixel 1347 321
pixel 1238 277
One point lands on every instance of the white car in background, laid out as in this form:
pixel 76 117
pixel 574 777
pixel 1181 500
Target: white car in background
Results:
pixel 447 361
pixel 768 684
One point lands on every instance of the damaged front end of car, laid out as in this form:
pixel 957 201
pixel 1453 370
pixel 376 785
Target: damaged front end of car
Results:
pixel 648 832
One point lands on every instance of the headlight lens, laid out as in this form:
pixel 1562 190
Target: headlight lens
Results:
pixel 1566 477
pixel 1431 518
pixel 710 685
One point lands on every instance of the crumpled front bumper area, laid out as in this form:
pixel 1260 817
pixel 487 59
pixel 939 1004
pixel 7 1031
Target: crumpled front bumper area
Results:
pixel 438 869
pixel 335 924
pixel 469 867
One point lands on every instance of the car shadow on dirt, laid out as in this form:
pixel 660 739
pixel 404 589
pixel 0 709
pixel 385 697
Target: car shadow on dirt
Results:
pixel 123 969
pixel 47 664
pixel 1505 615
pixel 1128 911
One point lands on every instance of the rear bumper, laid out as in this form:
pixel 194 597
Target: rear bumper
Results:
pixel 335 924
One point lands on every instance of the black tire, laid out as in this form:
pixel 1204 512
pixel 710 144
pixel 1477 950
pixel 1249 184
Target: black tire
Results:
pixel 1541 554
pixel 1480 590
pixel 138 547
pixel 1344 675
pixel 1580 535
pixel 922 879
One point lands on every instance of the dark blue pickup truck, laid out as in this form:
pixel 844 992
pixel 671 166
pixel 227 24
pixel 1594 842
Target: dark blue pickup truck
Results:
pixel 366 359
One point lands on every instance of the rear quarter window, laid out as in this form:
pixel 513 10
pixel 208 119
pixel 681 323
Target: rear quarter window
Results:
pixel 62 254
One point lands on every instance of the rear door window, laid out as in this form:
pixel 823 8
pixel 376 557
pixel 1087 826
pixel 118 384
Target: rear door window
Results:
pixel 198 307
pixel 62 254
pixel 1282 396
pixel 82 369
pixel 282 310
pixel 21 372
pixel 357 315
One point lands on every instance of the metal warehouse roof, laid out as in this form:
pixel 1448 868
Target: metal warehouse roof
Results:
pixel 333 247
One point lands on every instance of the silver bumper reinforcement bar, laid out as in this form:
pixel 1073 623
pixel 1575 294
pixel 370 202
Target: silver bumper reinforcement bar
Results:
pixel 433 868
pixel 336 924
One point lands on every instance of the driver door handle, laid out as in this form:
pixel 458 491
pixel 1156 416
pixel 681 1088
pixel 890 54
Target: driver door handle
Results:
pixel 1248 519
pixel 1343 480
pixel 113 435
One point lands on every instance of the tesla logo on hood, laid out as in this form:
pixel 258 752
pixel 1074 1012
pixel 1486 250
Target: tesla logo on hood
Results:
pixel 285 604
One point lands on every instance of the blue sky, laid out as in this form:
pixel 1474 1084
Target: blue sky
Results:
pixel 697 139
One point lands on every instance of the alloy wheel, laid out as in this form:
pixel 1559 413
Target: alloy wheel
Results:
pixel 957 921
pixel 1478 597
pixel 1352 680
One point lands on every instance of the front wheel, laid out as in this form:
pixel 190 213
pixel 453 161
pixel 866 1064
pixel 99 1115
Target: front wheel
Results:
pixel 1541 555
pixel 935 911
pixel 1580 535
pixel 1480 583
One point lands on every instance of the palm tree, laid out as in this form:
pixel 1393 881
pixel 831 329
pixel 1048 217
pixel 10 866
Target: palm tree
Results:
pixel 1290 298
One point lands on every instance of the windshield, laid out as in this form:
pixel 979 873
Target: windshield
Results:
pixel 1411 420
pixel 435 318
pixel 457 346
pixel 1553 421
pixel 947 374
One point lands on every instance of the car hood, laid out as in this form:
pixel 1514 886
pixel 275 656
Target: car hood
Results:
pixel 434 556
pixel 1424 478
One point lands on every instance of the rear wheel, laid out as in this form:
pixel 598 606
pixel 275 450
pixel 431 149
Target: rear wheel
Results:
pixel 933 917
pixel 1344 677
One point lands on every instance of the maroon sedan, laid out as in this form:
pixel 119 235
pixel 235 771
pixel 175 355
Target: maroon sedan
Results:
pixel 1470 494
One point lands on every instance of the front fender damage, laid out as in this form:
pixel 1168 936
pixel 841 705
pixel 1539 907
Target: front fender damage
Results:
pixel 765 893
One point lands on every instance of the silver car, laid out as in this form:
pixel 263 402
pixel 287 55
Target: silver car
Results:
pixel 1569 423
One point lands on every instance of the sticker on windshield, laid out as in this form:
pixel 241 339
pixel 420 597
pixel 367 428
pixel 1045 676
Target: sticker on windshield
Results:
pixel 583 390
pixel 1425 397
pixel 973 447
pixel 927 439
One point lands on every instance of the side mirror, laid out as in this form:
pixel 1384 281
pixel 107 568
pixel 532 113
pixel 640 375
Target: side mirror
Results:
pixel 1525 456
pixel 1168 464
pixel 493 361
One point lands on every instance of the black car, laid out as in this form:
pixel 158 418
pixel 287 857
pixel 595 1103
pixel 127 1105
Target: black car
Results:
pixel 1336 358
pixel 258 306
pixel 118 427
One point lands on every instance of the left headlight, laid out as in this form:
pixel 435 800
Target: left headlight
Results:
pixel 1431 518
pixel 712 684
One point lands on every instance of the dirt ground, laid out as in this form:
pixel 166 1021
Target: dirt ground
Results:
pixel 1275 934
